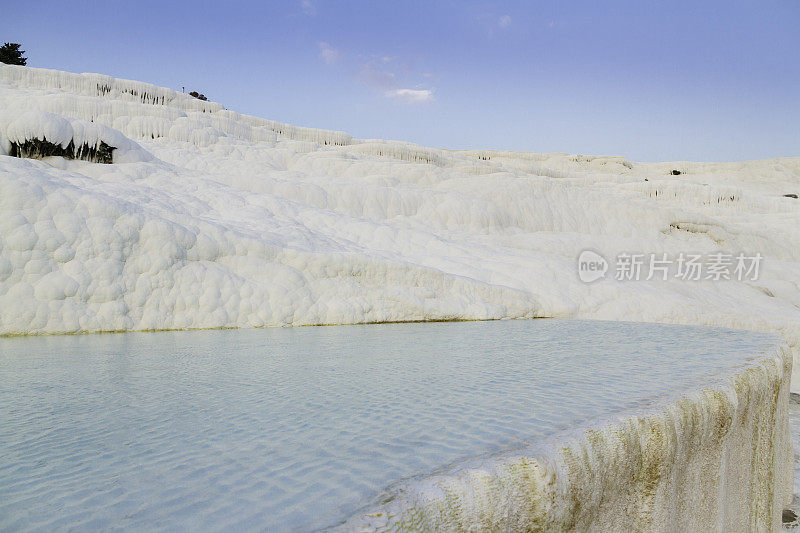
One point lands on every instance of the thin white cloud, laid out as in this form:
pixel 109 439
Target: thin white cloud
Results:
pixel 411 96
pixel 376 78
pixel 389 74
pixel 329 54
pixel 504 21
pixel 308 7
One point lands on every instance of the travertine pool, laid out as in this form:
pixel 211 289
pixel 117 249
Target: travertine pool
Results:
pixel 299 428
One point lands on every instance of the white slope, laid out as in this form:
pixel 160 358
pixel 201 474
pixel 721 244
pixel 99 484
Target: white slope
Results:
pixel 209 218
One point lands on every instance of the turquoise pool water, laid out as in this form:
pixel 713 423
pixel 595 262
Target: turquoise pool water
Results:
pixel 297 428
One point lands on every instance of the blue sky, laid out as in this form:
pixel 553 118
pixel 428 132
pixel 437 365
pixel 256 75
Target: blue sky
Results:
pixel 648 80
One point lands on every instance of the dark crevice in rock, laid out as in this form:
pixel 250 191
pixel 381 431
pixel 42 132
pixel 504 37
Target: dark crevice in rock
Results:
pixel 38 148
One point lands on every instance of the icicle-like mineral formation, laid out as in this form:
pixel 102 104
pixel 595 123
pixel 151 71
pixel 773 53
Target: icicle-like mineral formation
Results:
pixel 37 134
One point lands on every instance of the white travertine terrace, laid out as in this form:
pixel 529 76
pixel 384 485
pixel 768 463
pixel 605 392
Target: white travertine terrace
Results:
pixel 545 425
pixel 208 218
pixel 715 460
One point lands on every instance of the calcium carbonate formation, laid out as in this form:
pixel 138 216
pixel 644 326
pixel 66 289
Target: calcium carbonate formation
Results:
pixel 715 460
pixel 202 218
pixel 208 218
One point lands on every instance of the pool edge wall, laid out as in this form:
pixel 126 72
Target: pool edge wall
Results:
pixel 716 459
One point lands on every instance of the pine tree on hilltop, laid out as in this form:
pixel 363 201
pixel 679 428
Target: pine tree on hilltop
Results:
pixel 12 55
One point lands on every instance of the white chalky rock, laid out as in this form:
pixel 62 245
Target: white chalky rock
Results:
pixel 210 218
